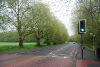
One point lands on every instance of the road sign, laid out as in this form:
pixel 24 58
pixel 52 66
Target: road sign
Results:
pixel 82 26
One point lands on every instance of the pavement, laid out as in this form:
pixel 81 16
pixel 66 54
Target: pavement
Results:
pixel 66 55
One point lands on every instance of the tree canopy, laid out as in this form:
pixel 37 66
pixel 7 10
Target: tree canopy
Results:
pixel 89 10
pixel 33 19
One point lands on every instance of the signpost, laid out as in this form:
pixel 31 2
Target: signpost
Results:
pixel 82 30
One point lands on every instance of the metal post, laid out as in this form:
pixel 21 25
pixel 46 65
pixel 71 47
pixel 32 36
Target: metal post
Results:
pixel 81 45
pixel 94 44
pixel 92 26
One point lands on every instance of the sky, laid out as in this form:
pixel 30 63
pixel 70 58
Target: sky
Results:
pixel 62 9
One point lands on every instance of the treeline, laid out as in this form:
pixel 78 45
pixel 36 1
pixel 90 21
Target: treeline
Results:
pixel 13 37
pixel 89 10
pixel 32 21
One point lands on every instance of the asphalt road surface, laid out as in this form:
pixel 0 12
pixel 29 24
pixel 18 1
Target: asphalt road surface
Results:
pixel 65 55
pixel 65 50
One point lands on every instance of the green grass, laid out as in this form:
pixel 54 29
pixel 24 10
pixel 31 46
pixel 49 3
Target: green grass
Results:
pixel 13 47
pixel 14 43
pixel 10 47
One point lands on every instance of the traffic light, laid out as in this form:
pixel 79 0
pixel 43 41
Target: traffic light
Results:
pixel 82 26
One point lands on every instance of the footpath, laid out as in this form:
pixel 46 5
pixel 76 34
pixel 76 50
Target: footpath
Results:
pixel 89 60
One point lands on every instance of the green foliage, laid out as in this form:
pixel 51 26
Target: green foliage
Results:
pixel 74 38
pixel 33 23
pixel 91 12
pixel 13 37
pixel 47 26
pixel 8 37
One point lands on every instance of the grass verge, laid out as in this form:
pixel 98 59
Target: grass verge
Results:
pixel 13 47
pixel 10 47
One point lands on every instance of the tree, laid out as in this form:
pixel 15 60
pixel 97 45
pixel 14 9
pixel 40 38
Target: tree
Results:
pixel 38 17
pixel 90 10
pixel 35 19
pixel 44 24
pixel 17 11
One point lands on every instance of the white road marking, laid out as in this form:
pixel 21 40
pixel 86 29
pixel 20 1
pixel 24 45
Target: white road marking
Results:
pixel 61 54
pixel 50 53
pixel 53 56
pixel 56 52
pixel 65 57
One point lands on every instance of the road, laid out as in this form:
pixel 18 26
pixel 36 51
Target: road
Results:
pixel 55 56
pixel 65 50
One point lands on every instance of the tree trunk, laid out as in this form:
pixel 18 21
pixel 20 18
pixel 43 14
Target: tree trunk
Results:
pixel 19 27
pixel 38 42
pixel 20 42
pixel 37 39
pixel 47 40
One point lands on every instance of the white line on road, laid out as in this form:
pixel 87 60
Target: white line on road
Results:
pixel 52 52
pixel 53 56
pixel 65 57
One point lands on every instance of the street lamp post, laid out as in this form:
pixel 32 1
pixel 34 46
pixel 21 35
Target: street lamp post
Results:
pixel 93 38
pixel 93 43
pixel 92 26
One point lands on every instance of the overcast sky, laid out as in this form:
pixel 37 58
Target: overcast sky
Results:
pixel 62 9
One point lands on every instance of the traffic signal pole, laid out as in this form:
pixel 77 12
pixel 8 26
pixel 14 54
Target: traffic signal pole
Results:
pixel 82 30
pixel 81 45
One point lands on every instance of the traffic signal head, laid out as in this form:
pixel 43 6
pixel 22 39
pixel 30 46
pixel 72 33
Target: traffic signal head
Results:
pixel 82 26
